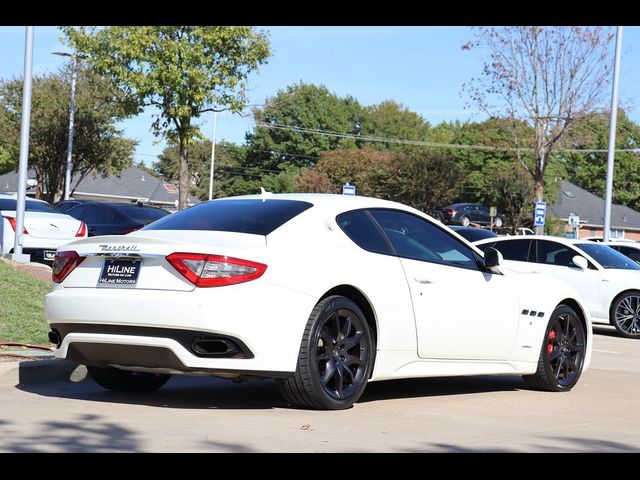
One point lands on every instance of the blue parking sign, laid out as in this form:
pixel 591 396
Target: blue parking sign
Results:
pixel 540 213
pixel 348 189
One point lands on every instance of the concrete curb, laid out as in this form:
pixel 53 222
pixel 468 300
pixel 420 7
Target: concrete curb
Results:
pixel 37 372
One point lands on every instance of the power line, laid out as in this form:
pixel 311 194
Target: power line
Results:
pixel 427 144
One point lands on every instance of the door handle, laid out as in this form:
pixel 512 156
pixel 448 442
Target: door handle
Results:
pixel 422 280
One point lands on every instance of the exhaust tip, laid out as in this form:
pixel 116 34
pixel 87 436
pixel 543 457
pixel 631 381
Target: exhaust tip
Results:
pixel 55 338
pixel 213 347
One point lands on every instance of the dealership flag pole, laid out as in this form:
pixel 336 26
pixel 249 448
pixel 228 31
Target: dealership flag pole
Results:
pixel 24 149
pixel 612 139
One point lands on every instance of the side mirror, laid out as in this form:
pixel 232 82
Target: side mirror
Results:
pixel 580 262
pixel 492 260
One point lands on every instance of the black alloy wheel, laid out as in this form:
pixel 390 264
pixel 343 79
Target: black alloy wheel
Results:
pixel 562 353
pixel 334 363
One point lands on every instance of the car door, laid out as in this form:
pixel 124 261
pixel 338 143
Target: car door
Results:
pixel 556 259
pixel 460 311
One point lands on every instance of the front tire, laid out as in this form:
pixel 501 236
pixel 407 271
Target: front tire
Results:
pixel 497 222
pixel 335 358
pixel 126 381
pixel 625 314
pixel 562 353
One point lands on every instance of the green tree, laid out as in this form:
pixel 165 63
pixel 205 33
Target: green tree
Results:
pixel 227 168
pixel 511 190
pixel 282 133
pixel 183 71
pixel 589 169
pixel 98 145
pixel 390 119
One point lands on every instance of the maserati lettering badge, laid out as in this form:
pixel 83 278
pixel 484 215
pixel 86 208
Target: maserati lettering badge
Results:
pixel 119 248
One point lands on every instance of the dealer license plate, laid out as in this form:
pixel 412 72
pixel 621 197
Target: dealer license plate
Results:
pixel 119 271
pixel 49 255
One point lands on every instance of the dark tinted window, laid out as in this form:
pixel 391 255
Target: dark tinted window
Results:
pixel 143 214
pixel 632 253
pixel 474 234
pixel 243 216
pixel 552 253
pixel 360 228
pixel 77 212
pixel 608 257
pixel 415 238
pixel 101 214
pixel 30 206
pixel 516 250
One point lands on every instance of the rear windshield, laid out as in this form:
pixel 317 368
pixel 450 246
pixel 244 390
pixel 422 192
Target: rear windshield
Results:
pixel 257 217
pixel 608 257
pixel 143 214
pixel 31 206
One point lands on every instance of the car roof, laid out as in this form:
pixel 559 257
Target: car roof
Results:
pixel 563 240
pixel 14 196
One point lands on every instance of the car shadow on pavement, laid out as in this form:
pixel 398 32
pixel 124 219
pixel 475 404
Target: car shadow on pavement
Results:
pixel 179 392
pixel 214 393
pixel 606 330
pixel 432 387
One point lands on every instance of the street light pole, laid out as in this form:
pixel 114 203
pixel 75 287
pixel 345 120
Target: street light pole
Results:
pixel 72 111
pixel 25 125
pixel 612 139
pixel 213 155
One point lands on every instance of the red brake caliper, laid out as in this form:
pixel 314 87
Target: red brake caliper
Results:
pixel 552 337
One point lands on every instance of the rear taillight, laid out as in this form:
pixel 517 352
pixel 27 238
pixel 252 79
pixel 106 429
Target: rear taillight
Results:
pixel 63 265
pixel 450 212
pixel 215 270
pixel 12 222
pixel 82 230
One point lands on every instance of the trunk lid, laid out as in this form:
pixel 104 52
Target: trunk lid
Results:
pixel 48 225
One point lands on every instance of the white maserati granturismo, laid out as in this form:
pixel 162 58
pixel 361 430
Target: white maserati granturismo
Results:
pixel 323 292
pixel 608 280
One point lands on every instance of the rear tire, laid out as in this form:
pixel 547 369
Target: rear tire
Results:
pixel 497 222
pixel 562 353
pixel 464 221
pixel 126 381
pixel 335 359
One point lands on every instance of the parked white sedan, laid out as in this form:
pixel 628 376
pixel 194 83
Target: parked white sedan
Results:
pixel 45 228
pixel 324 292
pixel 607 279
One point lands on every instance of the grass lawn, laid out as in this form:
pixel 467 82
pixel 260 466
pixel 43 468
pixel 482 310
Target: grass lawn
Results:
pixel 22 307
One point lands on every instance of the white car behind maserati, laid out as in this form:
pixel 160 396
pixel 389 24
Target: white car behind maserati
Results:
pixel 323 292
pixel 45 228
pixel 608 280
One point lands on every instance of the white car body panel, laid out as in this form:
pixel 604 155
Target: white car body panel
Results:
pixel 306 258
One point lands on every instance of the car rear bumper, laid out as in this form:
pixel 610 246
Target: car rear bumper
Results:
pixel 106 326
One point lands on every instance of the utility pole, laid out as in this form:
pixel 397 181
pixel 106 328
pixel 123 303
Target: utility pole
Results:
pixel 213 155
pixel 612 139
pixel 25 125
pixel 72 111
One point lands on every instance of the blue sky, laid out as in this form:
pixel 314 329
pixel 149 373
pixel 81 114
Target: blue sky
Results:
pixel 422 67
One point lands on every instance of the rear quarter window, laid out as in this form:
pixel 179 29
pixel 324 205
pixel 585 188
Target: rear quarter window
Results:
pixel 254 216
pixel 359 227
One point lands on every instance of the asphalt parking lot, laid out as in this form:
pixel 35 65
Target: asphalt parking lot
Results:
pixel 472 414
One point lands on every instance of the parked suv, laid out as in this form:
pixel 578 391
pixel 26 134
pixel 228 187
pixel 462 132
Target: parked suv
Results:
pixel 466 213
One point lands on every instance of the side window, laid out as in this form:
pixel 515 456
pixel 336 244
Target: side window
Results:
pixel 92 214
pixel 359 227
pixel 632 253
pixel 516 250
pixel 415 238
pixel 552 253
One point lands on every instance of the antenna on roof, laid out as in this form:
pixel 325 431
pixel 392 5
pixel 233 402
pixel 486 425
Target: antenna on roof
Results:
pixel 264 194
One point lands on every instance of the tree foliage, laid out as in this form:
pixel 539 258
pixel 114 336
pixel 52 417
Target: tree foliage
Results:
pixel 589 170
pixel 304 107
pixel 183 71
pixel 98 145
pixel 390 119
pixel 548 77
